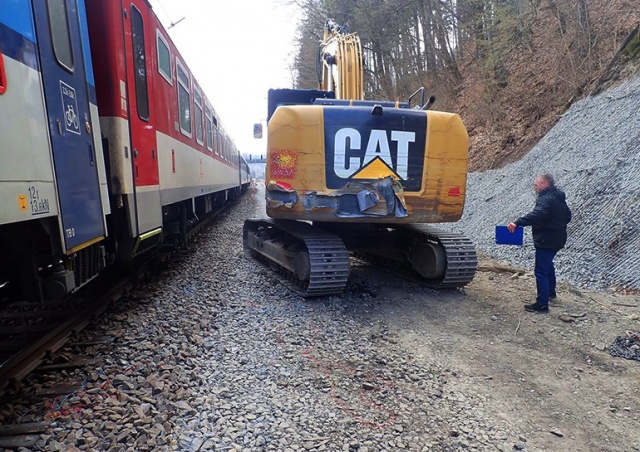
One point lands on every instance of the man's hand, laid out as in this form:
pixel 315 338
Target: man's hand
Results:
pixel 512 227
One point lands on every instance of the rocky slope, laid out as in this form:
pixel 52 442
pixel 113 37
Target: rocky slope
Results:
pixel 594 153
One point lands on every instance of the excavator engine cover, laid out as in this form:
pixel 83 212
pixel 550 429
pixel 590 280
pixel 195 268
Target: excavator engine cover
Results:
pixel 365 163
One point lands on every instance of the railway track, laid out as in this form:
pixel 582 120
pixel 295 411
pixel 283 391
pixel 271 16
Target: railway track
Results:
pixel 32 333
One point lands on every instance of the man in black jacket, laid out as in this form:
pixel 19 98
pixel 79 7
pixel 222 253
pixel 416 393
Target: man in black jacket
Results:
pixel 549 219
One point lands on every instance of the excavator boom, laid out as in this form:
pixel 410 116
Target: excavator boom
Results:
pixel 342 69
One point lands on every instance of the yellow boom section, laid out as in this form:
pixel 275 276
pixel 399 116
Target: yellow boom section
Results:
pixel 342 66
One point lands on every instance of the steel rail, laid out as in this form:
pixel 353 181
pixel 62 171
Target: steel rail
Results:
pixel 22 363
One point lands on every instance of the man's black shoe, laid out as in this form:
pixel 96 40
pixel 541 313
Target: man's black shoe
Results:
pixel 553 296
pixel 535 307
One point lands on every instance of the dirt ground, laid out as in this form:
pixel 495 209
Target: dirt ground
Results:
pixel 550 375
pixel 544 373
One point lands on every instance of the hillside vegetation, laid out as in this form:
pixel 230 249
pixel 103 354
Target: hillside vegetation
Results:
pixel 511 68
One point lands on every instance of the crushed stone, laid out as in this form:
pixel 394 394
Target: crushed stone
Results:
pixel 594 154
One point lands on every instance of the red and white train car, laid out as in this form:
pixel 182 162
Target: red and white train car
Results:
pixel 169 161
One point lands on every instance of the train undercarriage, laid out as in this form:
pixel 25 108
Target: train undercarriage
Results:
pixel 316 256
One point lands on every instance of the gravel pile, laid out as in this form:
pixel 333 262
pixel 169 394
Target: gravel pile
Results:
pixel 594 154
pixel 217 354
pixel 627 347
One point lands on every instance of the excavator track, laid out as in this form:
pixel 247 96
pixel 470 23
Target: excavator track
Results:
pixel 455 253
pixel 462 260
pixel 316 261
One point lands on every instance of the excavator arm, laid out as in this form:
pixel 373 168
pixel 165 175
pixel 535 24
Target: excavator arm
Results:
pixel 341 67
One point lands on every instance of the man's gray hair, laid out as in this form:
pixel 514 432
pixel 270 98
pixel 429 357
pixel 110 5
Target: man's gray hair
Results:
pixel 549 178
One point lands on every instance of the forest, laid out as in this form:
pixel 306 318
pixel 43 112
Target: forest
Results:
pixel 510 68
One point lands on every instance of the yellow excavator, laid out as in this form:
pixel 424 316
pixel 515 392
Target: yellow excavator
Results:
pixel 347 176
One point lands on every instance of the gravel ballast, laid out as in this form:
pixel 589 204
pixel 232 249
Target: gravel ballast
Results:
pixel 219 354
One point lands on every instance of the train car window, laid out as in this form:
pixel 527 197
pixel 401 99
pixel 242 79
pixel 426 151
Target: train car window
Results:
pixel 139 63
pixel 197 97
pixel 216 136
pixel 164 57
pixel 209 127
pixel 184 100
pixel 223 145
pixel 59 23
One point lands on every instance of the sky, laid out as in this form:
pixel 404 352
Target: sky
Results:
pixel 236 50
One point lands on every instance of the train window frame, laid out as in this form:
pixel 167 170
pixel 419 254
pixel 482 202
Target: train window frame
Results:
pixel 223 146
pixel 198 111
pixel 140 78
pixel 216 136
pixel 61 37
pixel 161 41
pixel 184 84
pixel 221 143
pixel 208 115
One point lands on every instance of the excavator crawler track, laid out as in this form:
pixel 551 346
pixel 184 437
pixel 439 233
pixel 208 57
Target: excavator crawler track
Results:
pixel 462 260
pixel 459 254
pixel 316 261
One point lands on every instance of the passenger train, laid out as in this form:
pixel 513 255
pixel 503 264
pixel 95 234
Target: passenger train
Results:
pixel 109 148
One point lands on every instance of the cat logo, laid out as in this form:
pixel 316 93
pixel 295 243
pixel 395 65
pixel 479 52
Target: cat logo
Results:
pixel 377 148
pixel 361 146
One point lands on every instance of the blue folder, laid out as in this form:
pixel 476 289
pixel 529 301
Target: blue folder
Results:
pixel 504 237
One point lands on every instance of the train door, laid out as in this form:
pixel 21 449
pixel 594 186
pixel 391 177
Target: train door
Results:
pixel 67 103
pixel 138 53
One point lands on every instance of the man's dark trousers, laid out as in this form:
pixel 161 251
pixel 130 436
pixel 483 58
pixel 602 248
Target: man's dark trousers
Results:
pixel 545 275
